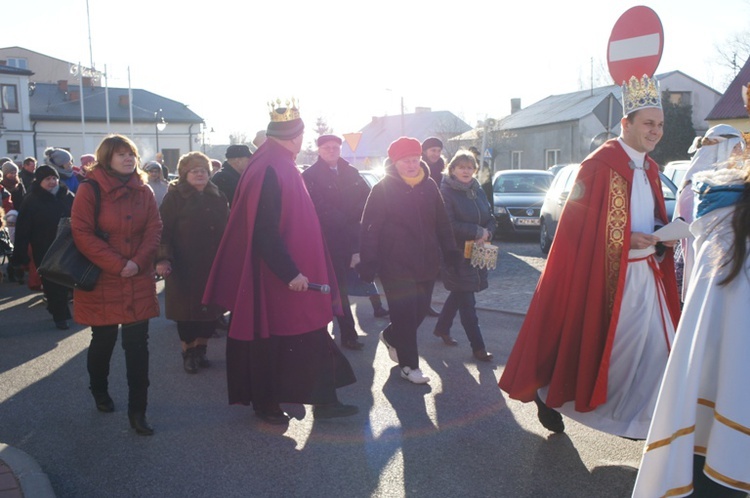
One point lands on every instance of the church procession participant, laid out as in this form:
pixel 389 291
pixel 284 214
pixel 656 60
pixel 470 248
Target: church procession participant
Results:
pixel 598 331
pixel 699 440
pixel 339 194
pixel 278 347
pixel 405 229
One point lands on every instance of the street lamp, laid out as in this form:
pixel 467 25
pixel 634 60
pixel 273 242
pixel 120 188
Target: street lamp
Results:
pixel 160 124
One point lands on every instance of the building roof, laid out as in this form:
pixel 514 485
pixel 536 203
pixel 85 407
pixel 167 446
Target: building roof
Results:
pixel 49 102
pixel 572 106
pixel 381 131
pixel 560 108
pixel 14 70
pixel 730 105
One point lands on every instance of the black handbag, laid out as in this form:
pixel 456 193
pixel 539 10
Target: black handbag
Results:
pixel 63 263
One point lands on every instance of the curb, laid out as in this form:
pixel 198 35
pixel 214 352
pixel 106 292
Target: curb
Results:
pixel 33 481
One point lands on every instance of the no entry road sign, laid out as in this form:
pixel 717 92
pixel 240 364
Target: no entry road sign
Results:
pixel 635 45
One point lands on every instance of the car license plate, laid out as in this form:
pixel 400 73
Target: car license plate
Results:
pixel 527 221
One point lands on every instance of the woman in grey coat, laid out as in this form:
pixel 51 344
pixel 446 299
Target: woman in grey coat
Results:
pixel 471 218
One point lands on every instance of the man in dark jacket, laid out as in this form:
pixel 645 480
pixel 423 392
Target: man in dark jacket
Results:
pixel 432 149
pixel 339 194
pixel 27 172
pixel 238 157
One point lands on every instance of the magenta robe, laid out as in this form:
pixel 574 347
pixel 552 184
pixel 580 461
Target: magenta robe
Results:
pixel 262 305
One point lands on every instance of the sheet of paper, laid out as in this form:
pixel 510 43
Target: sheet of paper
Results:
pixel 676 230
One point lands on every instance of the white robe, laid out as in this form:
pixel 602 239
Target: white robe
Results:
pixel 642 338
pixel 703 406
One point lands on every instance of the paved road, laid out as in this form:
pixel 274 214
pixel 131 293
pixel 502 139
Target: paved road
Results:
pixel 456 437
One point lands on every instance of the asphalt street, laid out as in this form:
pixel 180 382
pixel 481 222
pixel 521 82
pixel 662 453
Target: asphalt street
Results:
pixel 457 436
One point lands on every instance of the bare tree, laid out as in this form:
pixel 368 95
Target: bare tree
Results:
pixel 321 127
pixel 238 138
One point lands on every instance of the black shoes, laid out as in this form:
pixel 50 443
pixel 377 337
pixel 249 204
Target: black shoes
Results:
pixel 482 355
pixel 432 312
pixel 334 410
pixel 190 361
pixel 103 402
pixel 549 418
pixel 447 339
pixel 140 424
pixel 380 312
pixel 200 356
pixel 273 416
pixel 352 344
pixel 62 324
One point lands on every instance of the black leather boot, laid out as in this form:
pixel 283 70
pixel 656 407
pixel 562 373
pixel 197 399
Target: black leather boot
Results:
pixel 200 356
pixel 103 401
pixel 140 424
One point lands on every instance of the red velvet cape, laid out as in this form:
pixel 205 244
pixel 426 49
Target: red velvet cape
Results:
pixel 566 339
pixel 240 281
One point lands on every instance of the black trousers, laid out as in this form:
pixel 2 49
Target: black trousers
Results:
pixel 408 302
pixel 57 300
pixel 135 344
pixel 346 322
pixel 190 331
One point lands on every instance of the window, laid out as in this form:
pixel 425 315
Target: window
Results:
pixel 14 146
pixel 553 157
pixel 17 62
pixel 9 98
pixel 515 159
pixel 679 98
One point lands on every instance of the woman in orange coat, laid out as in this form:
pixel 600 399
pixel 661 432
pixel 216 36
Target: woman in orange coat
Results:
pixel 126 292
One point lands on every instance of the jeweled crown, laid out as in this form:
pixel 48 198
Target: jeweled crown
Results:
pixel 639 94
pixel 280 114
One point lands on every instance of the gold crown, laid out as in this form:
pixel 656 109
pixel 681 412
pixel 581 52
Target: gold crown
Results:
pixel 639 94
pixel 280 114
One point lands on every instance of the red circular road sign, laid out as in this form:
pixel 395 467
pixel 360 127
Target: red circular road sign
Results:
pixel 635 45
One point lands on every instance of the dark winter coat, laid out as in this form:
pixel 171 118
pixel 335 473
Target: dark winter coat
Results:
pixel 227 179
pixel 16 190
pixel 194 223
pixel 339 200
pixel 26 178
pixel 129 215
pixel 404 230
pixel 37 222
pixel 469 212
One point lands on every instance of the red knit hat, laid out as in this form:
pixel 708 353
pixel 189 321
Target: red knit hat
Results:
pixel 404 147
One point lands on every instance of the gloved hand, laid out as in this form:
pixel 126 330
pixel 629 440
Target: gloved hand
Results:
pixel 366 271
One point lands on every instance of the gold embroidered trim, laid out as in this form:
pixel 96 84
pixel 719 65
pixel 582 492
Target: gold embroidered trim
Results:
pixel 732 424
pixel 705 402
pixel 678 491
pixel 734 483
pixel 668 440
pixel 617 219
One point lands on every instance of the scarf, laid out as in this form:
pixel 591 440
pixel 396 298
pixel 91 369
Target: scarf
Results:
pixel 469 188
pixel 413 181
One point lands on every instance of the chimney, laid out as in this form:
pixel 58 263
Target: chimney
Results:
pixel 123 102
pixel 62 85
pixel 417 110
pixel 515 105
pixel 74 95
pixel 88 82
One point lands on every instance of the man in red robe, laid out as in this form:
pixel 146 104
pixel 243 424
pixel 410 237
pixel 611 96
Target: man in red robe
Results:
pixel 278 346
pixel 596 337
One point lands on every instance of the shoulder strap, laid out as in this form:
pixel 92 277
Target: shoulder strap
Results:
pixel 97 202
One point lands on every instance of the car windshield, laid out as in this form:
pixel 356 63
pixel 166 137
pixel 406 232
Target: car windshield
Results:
pixel 522 184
